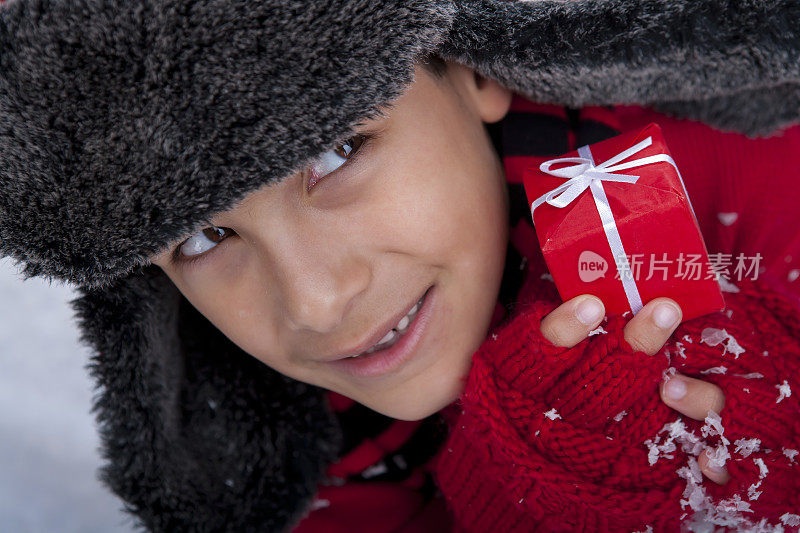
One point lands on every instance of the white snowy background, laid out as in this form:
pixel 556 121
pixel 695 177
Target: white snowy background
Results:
pixel 48 440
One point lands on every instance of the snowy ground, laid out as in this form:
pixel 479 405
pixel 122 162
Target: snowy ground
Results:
pixel 48 442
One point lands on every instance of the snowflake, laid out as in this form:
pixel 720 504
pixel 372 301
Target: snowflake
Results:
pixel 790 519
pixel 597 330
pixel 713 426
pixel 784 391
pixel 727 219
pixel 727 286
pixel 745 447
pixel 552 414
pixel 619 415
pixel 752 493
pixel 762 468
pixel 713 337
pixel 715 370
pixel 319 504
pixel 790 453
pixel 681 349
pixel 374 470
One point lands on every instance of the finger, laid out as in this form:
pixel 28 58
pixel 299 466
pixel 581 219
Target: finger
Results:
pixel 571 322
pixel 692 397
pixel 717 474
pixel 653 324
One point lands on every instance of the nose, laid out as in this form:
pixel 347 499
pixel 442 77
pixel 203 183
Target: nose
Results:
pixel 318 282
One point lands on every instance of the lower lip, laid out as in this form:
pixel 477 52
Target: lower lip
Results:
pixel 388 360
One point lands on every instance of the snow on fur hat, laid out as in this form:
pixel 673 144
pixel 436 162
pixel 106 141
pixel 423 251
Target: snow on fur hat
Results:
pixel 125 125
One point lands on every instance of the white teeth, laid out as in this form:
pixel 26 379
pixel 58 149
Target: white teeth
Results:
pixel 387 337
pixel 403 323
pixel 395 333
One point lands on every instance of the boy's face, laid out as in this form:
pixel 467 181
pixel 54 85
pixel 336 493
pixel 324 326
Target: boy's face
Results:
pixel 298 278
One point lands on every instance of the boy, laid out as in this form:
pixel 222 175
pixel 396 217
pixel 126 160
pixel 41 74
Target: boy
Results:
pixel 413 210
pixel 368 257
pixel 417 206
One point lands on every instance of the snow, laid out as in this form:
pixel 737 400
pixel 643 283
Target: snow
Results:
pixel 715 370
pixel 688 339
pixel 727 286
pixel 681 349
pixel 552 414
pixel 374 470
pixel 667 374
pixel 752 492
pixel 690 443
pixel 319 504
pixel 751 375
pixel 713 426
pixel 793 274
pixel 597 330
pixel 618 417
pixel 784 391
pixel 745 447
pixel 714 336
pixel 706 514
pixel 762 468
pixel 790 453
pixel 48 441
pixel 790 519
pixel 727 219
pixel 718 455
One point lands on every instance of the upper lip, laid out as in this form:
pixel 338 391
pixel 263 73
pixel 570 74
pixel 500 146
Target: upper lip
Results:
pixel 377 334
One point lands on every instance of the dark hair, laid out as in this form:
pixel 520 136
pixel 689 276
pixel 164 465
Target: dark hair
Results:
pixel 434 64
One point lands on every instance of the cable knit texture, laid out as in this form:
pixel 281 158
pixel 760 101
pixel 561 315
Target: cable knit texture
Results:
pixel 558 439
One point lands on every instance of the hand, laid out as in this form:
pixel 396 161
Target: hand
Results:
pixel 647 331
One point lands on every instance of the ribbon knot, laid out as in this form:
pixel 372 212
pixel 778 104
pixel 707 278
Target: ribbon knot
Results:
pixel 584 172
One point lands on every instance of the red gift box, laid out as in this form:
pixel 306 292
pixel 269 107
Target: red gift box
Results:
pixel 614 220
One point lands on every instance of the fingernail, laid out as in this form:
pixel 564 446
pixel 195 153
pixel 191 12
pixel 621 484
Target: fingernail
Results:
pixel 665 315
pixel 675 388
pixel 589 311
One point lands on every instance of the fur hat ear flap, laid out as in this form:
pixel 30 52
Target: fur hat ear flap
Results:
pixel 195 430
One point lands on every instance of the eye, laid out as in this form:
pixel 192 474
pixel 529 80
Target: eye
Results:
pixel 333 159
pixel 195 247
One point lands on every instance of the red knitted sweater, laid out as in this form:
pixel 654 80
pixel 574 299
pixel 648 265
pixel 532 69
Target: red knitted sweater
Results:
pixel 552 439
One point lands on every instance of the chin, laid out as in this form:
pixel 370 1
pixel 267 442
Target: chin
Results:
pixel 415 404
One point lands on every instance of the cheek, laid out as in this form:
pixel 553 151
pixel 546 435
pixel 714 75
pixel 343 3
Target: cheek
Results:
pixel 244 318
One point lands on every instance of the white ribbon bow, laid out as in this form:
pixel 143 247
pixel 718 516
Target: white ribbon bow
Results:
pixel 585 174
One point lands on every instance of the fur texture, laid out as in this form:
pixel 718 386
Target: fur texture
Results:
pixel 125 125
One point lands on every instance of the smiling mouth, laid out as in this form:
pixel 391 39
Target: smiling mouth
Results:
pixel 396 332
pixel 400 345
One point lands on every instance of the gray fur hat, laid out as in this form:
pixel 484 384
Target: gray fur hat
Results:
pixel 125 125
